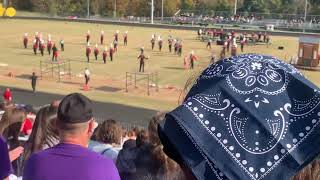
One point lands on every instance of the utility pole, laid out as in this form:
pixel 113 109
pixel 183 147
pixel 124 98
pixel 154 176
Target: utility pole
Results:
pixel 152 9
pixel 235 7
pixel 88 9
pixel 115 9
pixel 162 10
pixel 305 15
pixel 305 11
pixel 5 5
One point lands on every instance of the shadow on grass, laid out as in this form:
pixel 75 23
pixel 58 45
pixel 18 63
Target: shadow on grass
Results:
pixel 174 68
pixel 108 89
pixel 24 76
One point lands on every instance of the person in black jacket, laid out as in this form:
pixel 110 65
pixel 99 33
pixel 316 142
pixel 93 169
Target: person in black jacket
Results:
pixel 34 82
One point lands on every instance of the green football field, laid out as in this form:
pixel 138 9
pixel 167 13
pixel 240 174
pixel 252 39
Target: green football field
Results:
pixel 14 58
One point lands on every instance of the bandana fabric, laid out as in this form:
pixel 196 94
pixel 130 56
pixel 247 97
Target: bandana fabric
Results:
pixel 246 117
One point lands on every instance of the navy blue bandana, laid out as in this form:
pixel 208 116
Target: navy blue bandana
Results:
pixel 246 117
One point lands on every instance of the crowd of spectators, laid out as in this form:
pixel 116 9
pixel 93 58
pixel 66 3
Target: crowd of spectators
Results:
pixel 300 20
pixel 63 141
pixel 253 19
pixel 188 18
pixel 137 153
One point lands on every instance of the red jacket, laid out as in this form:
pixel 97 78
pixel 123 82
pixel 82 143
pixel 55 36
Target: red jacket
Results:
pixel 26 126
pixel 7 95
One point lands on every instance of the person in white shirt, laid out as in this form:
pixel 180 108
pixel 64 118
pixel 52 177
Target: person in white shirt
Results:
pixel 87 75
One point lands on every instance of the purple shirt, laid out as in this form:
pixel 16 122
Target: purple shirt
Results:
pixel 5 166
pixel 67 162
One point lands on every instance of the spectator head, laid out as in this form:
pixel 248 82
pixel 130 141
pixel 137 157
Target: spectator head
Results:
pixel 142 138
pixel 75 121
pixel 110 132
pixel 10 125
pixel 132 134
pixel 44 131
pixel 166 168
pixel 135 130
pixel 153 128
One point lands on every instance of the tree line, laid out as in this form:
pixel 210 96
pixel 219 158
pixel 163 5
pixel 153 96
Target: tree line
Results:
pixel 142 7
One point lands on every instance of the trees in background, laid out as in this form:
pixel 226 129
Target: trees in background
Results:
pixel 142 7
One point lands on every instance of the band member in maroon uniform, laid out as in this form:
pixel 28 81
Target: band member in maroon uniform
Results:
pixel 153 41
pixel 36 37
pixel 259 36
pixel 125 38
pixel 192 59
pixel 233 34
pixel 42 47
pixel 160 42
pixel 62 44
pixel 115 46
pixel 116 36
pixel 234 50
pixel 101 37
pixel 268 39
pixel 253 37
pixel 176 46
pixel 111 51
pixel 35 46
pixel 88 52
pixel 242 42
pixel 49 44
pixel 224 48
pixel 54 53
pixel 142 59
pixel 228 43
pixel 40 37
pixel 104 55
pixel 96 51
pixel 25 40
pixel 180 48
pixel 221 32
pixel 170 42
pixel 209 43
pixel 88 36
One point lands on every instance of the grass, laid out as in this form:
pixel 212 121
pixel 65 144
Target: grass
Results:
pixel 168 66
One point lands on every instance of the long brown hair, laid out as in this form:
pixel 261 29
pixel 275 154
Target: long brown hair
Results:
pixel 109 132
pixel 153 128
pixel 310 172
pixel 10 125
pixel 44 131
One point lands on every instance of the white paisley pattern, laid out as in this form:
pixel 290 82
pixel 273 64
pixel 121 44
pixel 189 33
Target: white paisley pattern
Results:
pixel 252 118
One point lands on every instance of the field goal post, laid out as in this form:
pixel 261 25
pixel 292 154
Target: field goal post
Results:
pixel 132 78
pixel 55 68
